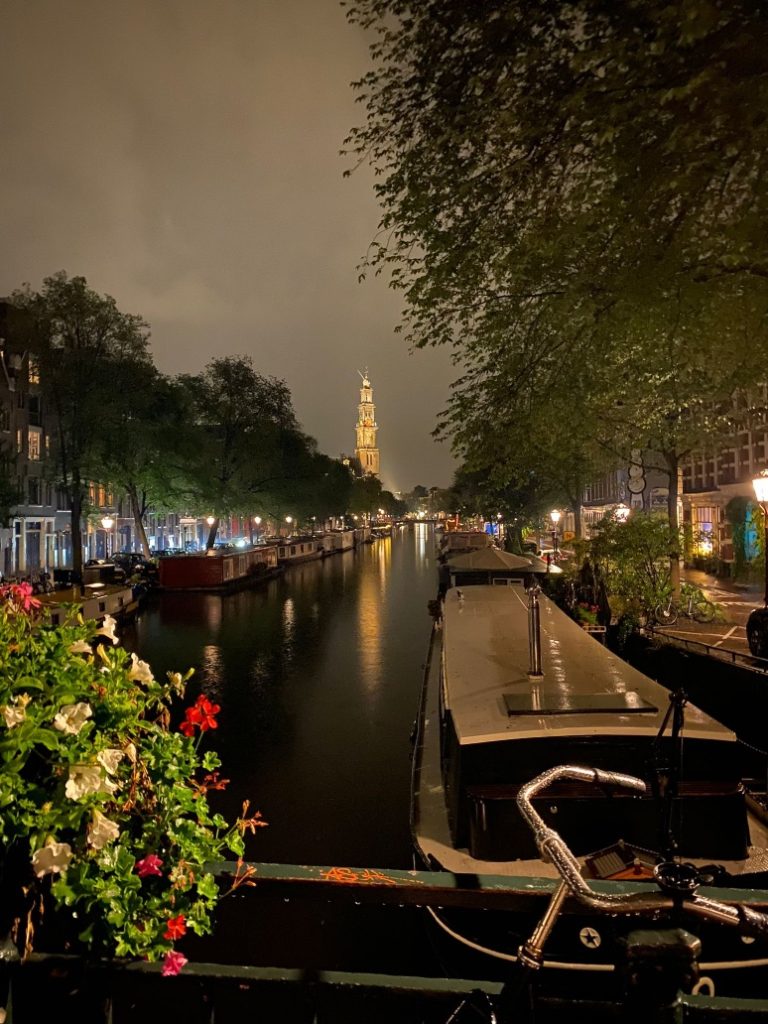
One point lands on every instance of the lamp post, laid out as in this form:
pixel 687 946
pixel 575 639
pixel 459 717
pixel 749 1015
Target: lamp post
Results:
pixel 554 515
pixel 499 517
pixel 107 522
pixel 289 520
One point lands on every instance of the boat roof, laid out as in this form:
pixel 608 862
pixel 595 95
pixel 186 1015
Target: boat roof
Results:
pixel 494 560
pixel 585 690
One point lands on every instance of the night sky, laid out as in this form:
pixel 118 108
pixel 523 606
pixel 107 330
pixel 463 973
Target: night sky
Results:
pixel 182 155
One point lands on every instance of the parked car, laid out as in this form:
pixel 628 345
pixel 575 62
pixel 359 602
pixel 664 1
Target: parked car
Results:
pixel 757 633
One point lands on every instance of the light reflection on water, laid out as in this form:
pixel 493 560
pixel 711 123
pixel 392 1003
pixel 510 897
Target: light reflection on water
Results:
pixel 318 675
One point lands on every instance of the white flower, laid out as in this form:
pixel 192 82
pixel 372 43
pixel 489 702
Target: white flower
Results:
pixel 72 718
pixel 107 629
pixel 130 752
pixel 80 647
pixel 140 671
pixel 177 681
pixel 101 830
pixel 15 712
pixel 87 779
pixel 110 759
pixel 51 859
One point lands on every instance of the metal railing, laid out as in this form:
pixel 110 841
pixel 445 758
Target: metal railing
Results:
pixel 725 654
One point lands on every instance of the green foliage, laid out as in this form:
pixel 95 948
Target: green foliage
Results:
pixel 87 349
pixel 634 559
pixel 573 200
pixel 103 806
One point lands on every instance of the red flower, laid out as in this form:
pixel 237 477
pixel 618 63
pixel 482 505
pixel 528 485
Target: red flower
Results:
pixel 21 593
pixel 201 715
pixel 191 719
pixel 177 928
pixel 207 712
pixel 149 865
pixel 173 963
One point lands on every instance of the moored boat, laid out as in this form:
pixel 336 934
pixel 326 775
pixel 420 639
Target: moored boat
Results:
pixel 215 570
pixel 458 541
pixel 498 710
pixel 299 549
pixel 343 540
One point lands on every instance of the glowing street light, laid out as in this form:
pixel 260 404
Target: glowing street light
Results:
pixel 210 520
pixel 289 521
pixel 107 522
pixel 555 516
pixel 257 520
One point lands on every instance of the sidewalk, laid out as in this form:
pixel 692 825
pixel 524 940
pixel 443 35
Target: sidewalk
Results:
pixel 707 581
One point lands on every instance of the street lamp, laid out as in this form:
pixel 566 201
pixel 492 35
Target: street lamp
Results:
pixel 499 517
pixel 554 515
pixel 107 522
pixel 289 520
pixel 210 520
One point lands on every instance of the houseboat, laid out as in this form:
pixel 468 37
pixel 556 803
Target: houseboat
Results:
pixel 299 549
pixel 343 540
pixel 95 602
pixel 491 566
pixel 219 570
pixel 458 541
pixel 362 535
pixel 513 689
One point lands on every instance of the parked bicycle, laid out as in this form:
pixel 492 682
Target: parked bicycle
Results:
pixel 694 605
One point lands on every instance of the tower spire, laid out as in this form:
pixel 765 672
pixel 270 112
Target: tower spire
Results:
pixel 366 449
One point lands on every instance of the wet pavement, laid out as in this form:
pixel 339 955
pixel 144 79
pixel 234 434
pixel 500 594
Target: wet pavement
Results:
pixel 734 603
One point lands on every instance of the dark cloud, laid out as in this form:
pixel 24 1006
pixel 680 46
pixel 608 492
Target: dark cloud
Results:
pixel 183 156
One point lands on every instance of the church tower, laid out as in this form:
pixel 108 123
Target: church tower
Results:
pixel 366 451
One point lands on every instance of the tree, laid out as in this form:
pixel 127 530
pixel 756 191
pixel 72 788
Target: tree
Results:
pixel 632 559
pixel 576 186
pixel 86 347
pixel 247 438
pixel 142 441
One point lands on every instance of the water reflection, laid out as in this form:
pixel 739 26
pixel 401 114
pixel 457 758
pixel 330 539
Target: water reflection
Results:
pixel 318 675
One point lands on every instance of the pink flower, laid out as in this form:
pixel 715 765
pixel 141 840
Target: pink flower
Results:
pixel 149 865
pixel 173 963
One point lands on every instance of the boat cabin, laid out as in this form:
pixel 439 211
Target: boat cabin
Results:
pixel 500 727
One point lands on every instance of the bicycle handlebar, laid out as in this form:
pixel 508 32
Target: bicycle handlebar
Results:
pixel 554 849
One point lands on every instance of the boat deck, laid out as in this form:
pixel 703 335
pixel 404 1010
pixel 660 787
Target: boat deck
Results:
pixel 491 696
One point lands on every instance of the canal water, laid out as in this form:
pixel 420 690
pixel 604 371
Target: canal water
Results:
pixel 318 675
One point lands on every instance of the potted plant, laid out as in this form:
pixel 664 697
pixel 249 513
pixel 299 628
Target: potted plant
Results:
pixel 104 813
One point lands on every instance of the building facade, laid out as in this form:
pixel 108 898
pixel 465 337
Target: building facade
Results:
pixel 717 485
pixel 35 535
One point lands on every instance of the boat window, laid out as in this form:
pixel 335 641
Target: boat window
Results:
pixel 576 703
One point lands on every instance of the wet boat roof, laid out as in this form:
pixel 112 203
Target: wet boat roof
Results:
pixel 586 689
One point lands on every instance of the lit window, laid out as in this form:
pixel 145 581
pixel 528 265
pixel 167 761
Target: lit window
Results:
pixel 34 371
pixel 19 440
pixel 34 445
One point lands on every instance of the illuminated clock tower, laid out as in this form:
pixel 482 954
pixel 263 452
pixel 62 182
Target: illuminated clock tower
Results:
pixel 366 451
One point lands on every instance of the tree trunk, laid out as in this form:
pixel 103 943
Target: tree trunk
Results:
pixel 212 534
pixel 139 521
pixel 673 465
pixel 578 526
pixel 75 515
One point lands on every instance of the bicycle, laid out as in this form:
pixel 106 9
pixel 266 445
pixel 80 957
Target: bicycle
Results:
pixel 695 606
